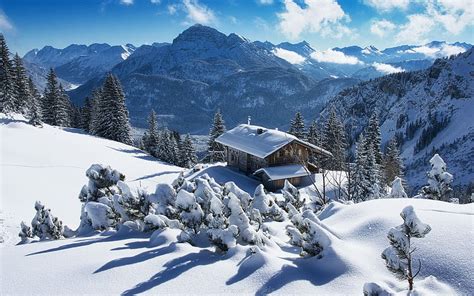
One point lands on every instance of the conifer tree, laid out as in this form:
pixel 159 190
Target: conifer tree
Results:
pixel 94 112
pixel 297 127
pixel 150 141
pixel 398 257
pixel 358 189
pixel 393 165
pixel 374 137
pixel 111 120
pixel 334 140
pixel 7 85
pixel 86 113
pixel 313 136
pixel 34 104
pixel 216 150
pixel 56 107
pixel 23 95
pixel 439 181
pixel 188 156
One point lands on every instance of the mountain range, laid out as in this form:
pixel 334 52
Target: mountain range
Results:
pixel 205 69
pixel 422 98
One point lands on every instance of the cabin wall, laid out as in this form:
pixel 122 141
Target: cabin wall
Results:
pixel 293 153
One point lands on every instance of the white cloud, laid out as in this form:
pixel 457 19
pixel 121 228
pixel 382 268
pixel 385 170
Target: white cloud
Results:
pixel 317 16
pixel 336 57
pixel 198 13
pixel 172 9
pixel 265 2
pixel 233 19
pixel 126 2
pixel 5 24
pixel 386 68
pixel 382 27
pixel 453 15
pixel 416 29
pixel 387 5
pixel 436 52
pixel 261 24
pixel 155 1
pixel 290 56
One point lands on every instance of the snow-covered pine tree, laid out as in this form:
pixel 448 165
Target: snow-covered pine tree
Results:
pixel 374 138
pixel 398 257
pixel 45 225
pixel 23 95
pixel 359 191
pixel 7 84
pixel 334 140
pixel 397 189
pixel 150 142
pixel 393 165
pixel 297 127
pixel 64 109
pixel 439 181
pixel 34 104
pixel 216 150
pixel 112 120
pixel 56 110
pixel 188 156
pixel 313 135
pixel 94 115
pixel 86 112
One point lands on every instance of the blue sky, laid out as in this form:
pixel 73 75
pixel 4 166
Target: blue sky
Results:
pixel 324 24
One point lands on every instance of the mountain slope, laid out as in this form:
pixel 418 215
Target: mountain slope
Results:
pixel 427 110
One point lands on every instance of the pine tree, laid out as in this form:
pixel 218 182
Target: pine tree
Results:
pixel 398 257
pixel 188 156
pixel 358 190
pixel 313 136
pixel 94 111
pixel 23 95
pixel 393 165
pixel 56 107
pixel 439 181
pixel 150 141
pixel 216 150
pixel 7 85
pixel 111 120
pixel 374 137
pixel 34 109
pixel 86 113
pixel 334 140
pixel 297 127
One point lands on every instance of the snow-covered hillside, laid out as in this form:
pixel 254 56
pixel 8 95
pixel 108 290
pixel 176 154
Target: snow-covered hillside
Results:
pixel 49 164
pixel 426 111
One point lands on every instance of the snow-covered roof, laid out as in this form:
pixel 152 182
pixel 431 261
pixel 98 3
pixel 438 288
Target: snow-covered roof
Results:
pixel 260 141
pixel 283 171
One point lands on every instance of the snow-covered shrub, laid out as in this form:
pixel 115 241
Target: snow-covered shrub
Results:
pixel 191 214
pixel 244 197
pixel 163 201
pixel 25 233
pixel 223 239
pixel 100 216
pixel 439 181
pixel 238 218
pixel 263 203
pixel 306 232
pixel 292 195
pixel 44 225
pixel 102 182
pixel 398 257
pixel 374 289
pixel 397 189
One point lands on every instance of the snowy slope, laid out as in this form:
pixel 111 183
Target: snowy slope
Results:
pixel 49 164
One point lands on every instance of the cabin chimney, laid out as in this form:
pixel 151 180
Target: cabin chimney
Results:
pixel 248 120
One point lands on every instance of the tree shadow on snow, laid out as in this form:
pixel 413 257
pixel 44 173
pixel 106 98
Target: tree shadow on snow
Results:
pixel 176 267
pixel 156 175
pixel 316 271
pixel 247 266
pixel 137 258
pixel 87 242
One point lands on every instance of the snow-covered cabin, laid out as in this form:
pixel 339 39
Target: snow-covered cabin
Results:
pixel 270 154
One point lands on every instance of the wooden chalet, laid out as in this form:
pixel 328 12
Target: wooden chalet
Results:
pixel 273 156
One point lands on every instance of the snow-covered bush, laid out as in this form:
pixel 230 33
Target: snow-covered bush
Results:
pixel 44 225
pixel 374 289
pixel 267 207
pixel 439 181
pixel 191 214
pixel 306 232
pixel 244 197
pixel 397 189
pixel 292 195
pixel 398 257
pixel 163 201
